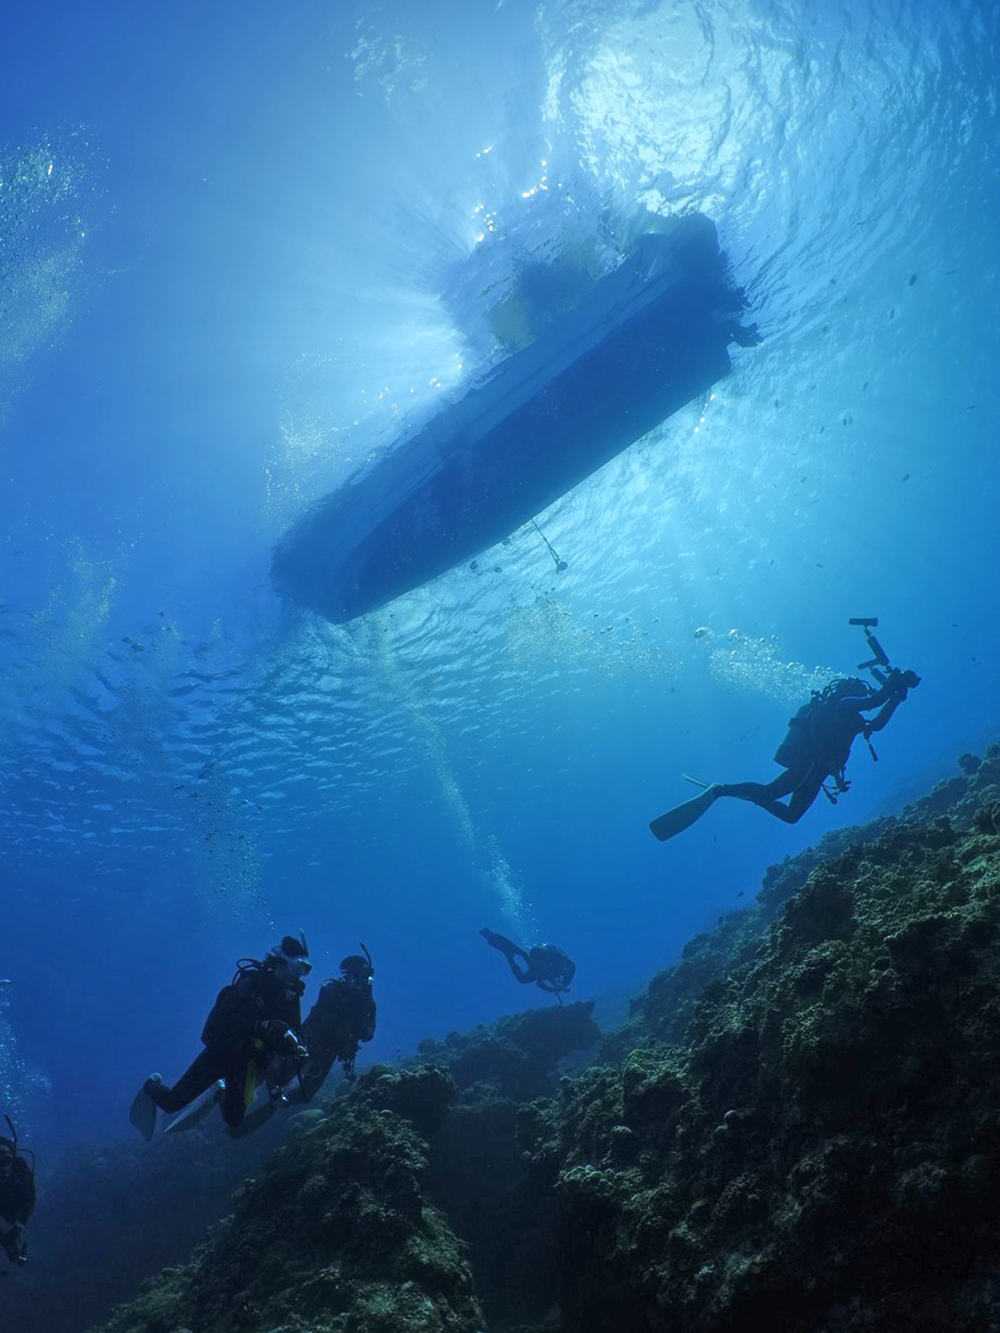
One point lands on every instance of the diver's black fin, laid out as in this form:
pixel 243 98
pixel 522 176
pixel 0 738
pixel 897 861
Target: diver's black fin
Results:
pixel 683 816
pixel 142 1114
pixel 500 942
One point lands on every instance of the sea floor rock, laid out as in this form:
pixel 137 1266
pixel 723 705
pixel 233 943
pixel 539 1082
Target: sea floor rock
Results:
pixel 825 1149
pixel 798 1130
pixel 337 1236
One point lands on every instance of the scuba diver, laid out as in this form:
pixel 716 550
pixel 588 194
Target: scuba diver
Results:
pixel 342 1017
pixel 544 964
pixel 255 1018
pixel 816 748
pixel 17 1195
pixel 340 1020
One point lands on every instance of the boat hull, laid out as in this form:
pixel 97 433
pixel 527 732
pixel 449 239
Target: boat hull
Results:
pixel 652 336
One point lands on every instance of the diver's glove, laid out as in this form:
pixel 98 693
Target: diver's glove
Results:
pixel 294 1047
pixel 279 1036
pixel 296 1050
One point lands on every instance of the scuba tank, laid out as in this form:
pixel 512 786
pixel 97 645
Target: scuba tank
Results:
pixel 811 732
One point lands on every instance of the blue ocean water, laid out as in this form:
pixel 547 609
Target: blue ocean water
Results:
pixel 240 246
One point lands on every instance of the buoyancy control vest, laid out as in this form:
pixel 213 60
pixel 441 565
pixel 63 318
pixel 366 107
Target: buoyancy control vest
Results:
pixel 820 732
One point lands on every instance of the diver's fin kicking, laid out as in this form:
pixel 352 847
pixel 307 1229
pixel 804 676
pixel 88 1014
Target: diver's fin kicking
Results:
pixel 507 947
pixel 142 1112
pixel 188 1119
pixel 683 816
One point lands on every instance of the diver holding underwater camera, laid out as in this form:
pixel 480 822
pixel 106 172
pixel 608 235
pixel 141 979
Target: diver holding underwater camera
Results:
pixel 817 746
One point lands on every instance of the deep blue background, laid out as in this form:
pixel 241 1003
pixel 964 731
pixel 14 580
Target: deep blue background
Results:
pixel 241 245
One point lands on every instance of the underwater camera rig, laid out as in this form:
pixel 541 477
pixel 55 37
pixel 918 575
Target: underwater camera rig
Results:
pixel 879 662
pixel 880 667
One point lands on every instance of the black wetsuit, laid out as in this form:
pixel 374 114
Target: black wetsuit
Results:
pixel 249 1025
pixel 17 1200
pixel 803 779
pixel 544 964
pixel 342 1017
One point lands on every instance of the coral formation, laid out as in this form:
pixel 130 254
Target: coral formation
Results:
pixel 816 1147
pixel 798 1128
pixel 337 1236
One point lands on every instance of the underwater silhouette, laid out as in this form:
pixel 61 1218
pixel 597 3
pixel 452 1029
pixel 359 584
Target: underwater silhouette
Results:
pixel 816 748
pixel 255 1018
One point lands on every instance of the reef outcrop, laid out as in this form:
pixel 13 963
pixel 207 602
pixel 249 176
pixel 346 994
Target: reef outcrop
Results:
pixel 337 1234
pixel 797 1129
pixel 801 1131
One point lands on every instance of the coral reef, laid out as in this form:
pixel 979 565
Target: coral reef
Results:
pixel 817 1150
pixel 337 1236
pixel 798 1128
pixel 477 1171
pixel 517 1055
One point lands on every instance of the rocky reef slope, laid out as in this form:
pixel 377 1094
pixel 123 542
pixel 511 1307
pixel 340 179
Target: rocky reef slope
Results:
pixel 798 1129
